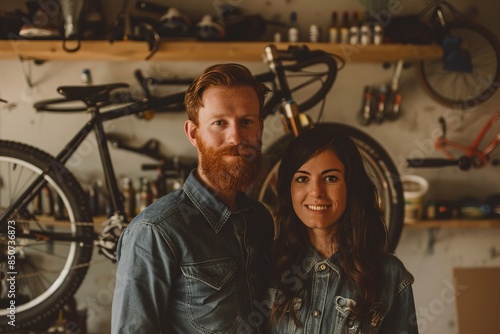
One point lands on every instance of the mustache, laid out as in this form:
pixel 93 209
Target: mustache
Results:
pixel 243 150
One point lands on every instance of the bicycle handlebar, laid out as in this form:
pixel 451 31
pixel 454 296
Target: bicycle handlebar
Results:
pixel 431 162
pixel 464 162
pixel 303 58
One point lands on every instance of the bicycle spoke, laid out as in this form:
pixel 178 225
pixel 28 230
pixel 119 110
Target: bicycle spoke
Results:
pixel 52 255
pixel 17 187
pixel 30 287
pixel 44 266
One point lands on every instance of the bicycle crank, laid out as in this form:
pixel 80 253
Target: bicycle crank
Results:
pixel 108 239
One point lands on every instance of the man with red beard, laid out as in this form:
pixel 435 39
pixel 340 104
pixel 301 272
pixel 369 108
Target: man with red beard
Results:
pixel 195 261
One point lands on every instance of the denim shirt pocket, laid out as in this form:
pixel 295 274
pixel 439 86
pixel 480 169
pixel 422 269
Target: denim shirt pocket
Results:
pixel 212 302
pixel 344 322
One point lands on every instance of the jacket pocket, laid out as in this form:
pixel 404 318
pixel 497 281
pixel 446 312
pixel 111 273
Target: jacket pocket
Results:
pixel 212 302
pixel 345 322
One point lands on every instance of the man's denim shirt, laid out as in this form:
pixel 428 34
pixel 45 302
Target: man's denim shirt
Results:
pixel 325 307
pixel 187 264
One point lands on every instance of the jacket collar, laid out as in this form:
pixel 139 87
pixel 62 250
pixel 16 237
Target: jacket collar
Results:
pixel 214 210
pixel 314 260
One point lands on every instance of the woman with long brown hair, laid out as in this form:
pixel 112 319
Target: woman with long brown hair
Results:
pixel 332 271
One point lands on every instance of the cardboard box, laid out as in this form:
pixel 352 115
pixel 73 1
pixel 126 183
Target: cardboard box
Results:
pixel 477 292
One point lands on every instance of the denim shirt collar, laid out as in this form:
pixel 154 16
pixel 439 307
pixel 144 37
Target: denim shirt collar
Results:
pixel 316 260
pixel 214 210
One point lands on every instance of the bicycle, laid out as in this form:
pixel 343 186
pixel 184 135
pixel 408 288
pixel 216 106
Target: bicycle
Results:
pixel 468 74
pixel 473 155
pixel 52 256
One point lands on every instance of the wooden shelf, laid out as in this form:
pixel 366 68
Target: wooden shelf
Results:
pixel 206 51
pixel 456 223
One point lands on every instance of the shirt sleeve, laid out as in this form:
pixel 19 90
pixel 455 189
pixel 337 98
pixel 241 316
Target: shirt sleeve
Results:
pixel 143 281
pixel 402 317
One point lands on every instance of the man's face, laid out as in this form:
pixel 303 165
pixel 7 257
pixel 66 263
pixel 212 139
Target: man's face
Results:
pixel 228 137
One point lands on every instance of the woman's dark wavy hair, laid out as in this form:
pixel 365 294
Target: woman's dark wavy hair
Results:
pixel 361 238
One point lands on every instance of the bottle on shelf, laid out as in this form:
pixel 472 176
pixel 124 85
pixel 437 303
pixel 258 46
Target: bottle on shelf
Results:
pixel 344 29
pixel 129 200
pixel 293 28
pixel 378 32
pixel 314 33
pixel 354 29
pixel 333 29
pixel 365 31
pixel 146 195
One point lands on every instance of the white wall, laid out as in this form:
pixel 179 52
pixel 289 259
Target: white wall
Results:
pixel 431 263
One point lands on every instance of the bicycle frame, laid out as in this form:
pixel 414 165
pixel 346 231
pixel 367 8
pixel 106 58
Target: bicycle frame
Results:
pixel 478 156
pixel 473 157
pixel 94 124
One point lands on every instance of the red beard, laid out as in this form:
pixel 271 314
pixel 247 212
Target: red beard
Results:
pixel 238 173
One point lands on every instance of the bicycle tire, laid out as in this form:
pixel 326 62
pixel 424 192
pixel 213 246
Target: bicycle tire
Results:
pixel 460 90
pixel 378 163
pixel 48 272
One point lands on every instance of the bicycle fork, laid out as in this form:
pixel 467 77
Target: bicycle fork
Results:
pixel 294 121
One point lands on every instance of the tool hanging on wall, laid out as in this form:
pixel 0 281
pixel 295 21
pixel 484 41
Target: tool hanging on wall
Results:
pixel 392 108
pixel 382 103
pixel 72 13
pixel 129 27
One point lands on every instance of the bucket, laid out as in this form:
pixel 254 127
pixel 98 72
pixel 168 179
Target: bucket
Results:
pixel 414 189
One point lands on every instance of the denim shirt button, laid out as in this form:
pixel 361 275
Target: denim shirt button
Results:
pixel 315 313
pixel 322 267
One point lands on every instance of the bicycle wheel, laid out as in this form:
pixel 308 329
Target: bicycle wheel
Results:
pixel 377 163
pixel 465 89
pixel 49 269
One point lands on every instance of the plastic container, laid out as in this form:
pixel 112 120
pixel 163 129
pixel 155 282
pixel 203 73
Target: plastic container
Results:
pixel 414 189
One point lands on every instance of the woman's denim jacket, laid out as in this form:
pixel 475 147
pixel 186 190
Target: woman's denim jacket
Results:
pixel 187 264
pixel 325 307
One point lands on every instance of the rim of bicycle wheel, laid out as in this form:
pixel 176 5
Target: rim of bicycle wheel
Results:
pixel 465 90
pixel 67 266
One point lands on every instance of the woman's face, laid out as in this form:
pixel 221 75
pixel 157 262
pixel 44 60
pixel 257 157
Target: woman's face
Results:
pixel 319 191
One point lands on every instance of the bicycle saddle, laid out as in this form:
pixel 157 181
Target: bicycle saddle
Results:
pixel 92 94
